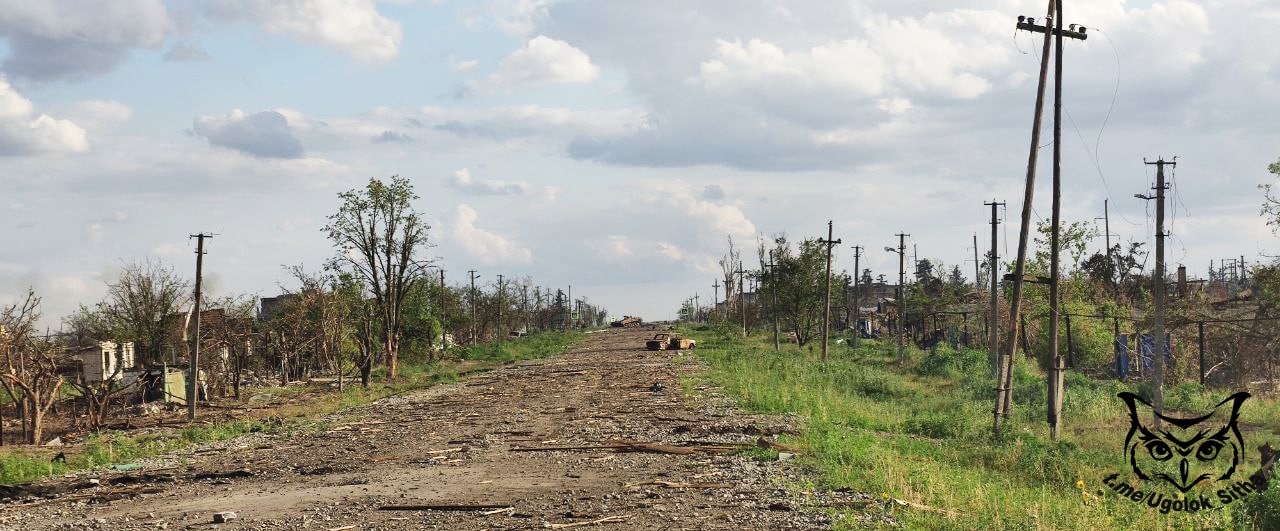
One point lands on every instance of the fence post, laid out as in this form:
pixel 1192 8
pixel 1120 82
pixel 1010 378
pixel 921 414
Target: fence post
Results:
pixel 1201 326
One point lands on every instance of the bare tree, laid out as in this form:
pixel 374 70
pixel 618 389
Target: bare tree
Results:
pixel 88 327
pixel 30 364
pixel 379 236
pixel 139 301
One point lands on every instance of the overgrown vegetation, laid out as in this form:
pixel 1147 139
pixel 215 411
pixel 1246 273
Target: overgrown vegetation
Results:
pixel 23 464
pixel 921 434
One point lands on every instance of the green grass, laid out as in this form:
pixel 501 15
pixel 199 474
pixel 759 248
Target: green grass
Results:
pixel 923 434
pixel 20 464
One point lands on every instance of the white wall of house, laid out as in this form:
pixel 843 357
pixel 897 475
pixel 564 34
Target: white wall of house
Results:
pixel 106 360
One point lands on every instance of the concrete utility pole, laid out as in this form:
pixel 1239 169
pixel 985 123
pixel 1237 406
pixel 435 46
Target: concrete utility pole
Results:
pixel 826 293
pixel 773 306
pixel 1157 392
pixel 1106 220
pixel 497 328
pixel 193 370
pixel 1004 395
pixel 857 294
pixel 474 276
pixel 902 301
pixel 742 300
pixel 993 329
pixel 715 301
pixel 977 274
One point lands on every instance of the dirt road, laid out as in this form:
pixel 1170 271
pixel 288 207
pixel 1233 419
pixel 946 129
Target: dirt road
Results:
pixel 479 448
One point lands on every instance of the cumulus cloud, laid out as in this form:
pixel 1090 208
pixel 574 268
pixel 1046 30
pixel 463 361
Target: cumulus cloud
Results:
pixel 263 134
pixel 352 26
pixel 71 39
pixel 487 247
pixel 23 132
pixel 544 61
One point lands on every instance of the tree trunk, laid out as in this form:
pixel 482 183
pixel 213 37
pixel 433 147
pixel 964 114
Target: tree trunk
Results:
pixel 37 424
pixel 389 348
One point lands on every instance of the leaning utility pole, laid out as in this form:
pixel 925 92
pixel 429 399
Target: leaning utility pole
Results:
pixel 1004 384
pixel 1157 392
pixel 857 295
pixel 993 334
pixel 472 272
pixel 193 370
pixel 826 293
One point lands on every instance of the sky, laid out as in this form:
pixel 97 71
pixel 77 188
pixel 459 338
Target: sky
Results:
pixel 611 146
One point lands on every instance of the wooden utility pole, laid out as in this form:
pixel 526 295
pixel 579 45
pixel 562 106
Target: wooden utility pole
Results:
pixel 715 301
pixel 193 369
pixel 773 306
pixel 497 328
pixel 857 295
pixel 993 328
pixel 902 292
pixel 742 299
pixel 474 323
pixel 444 327
pixel 1003 391
pixel 1157 391
pixel 826 293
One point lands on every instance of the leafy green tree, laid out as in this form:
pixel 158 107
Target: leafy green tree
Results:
pixel 380 239
pixel 797 282
pixel 1270 202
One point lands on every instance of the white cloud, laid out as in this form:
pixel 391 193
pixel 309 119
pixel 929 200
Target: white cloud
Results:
pixel 518 17
pixel 463 65
pixel 463 180
pixel 487 247
pixel 544 61
pixel 263 134
pixel 24 132
pixel 67 39
pixel 352 26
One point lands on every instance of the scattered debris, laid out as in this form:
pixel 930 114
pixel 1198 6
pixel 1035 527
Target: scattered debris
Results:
pixel 224 517
pixel 605 520
pixel 681 485
pixel 446 507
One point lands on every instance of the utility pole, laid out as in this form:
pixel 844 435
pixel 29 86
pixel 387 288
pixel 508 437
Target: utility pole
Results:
pixel 497 328
pixel 826 293
pixel 902 301
pixel 472 272
pixel 1106 220
pixel 1004 395
pixel 715 297
pixel 1158 289
pixel 444 343
pixel 570 306
pixel 977 274
pixel 742 300
pixel 857 295
pixel 773 306
pixel 193 370
pixel 993 335
pixel 696 307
